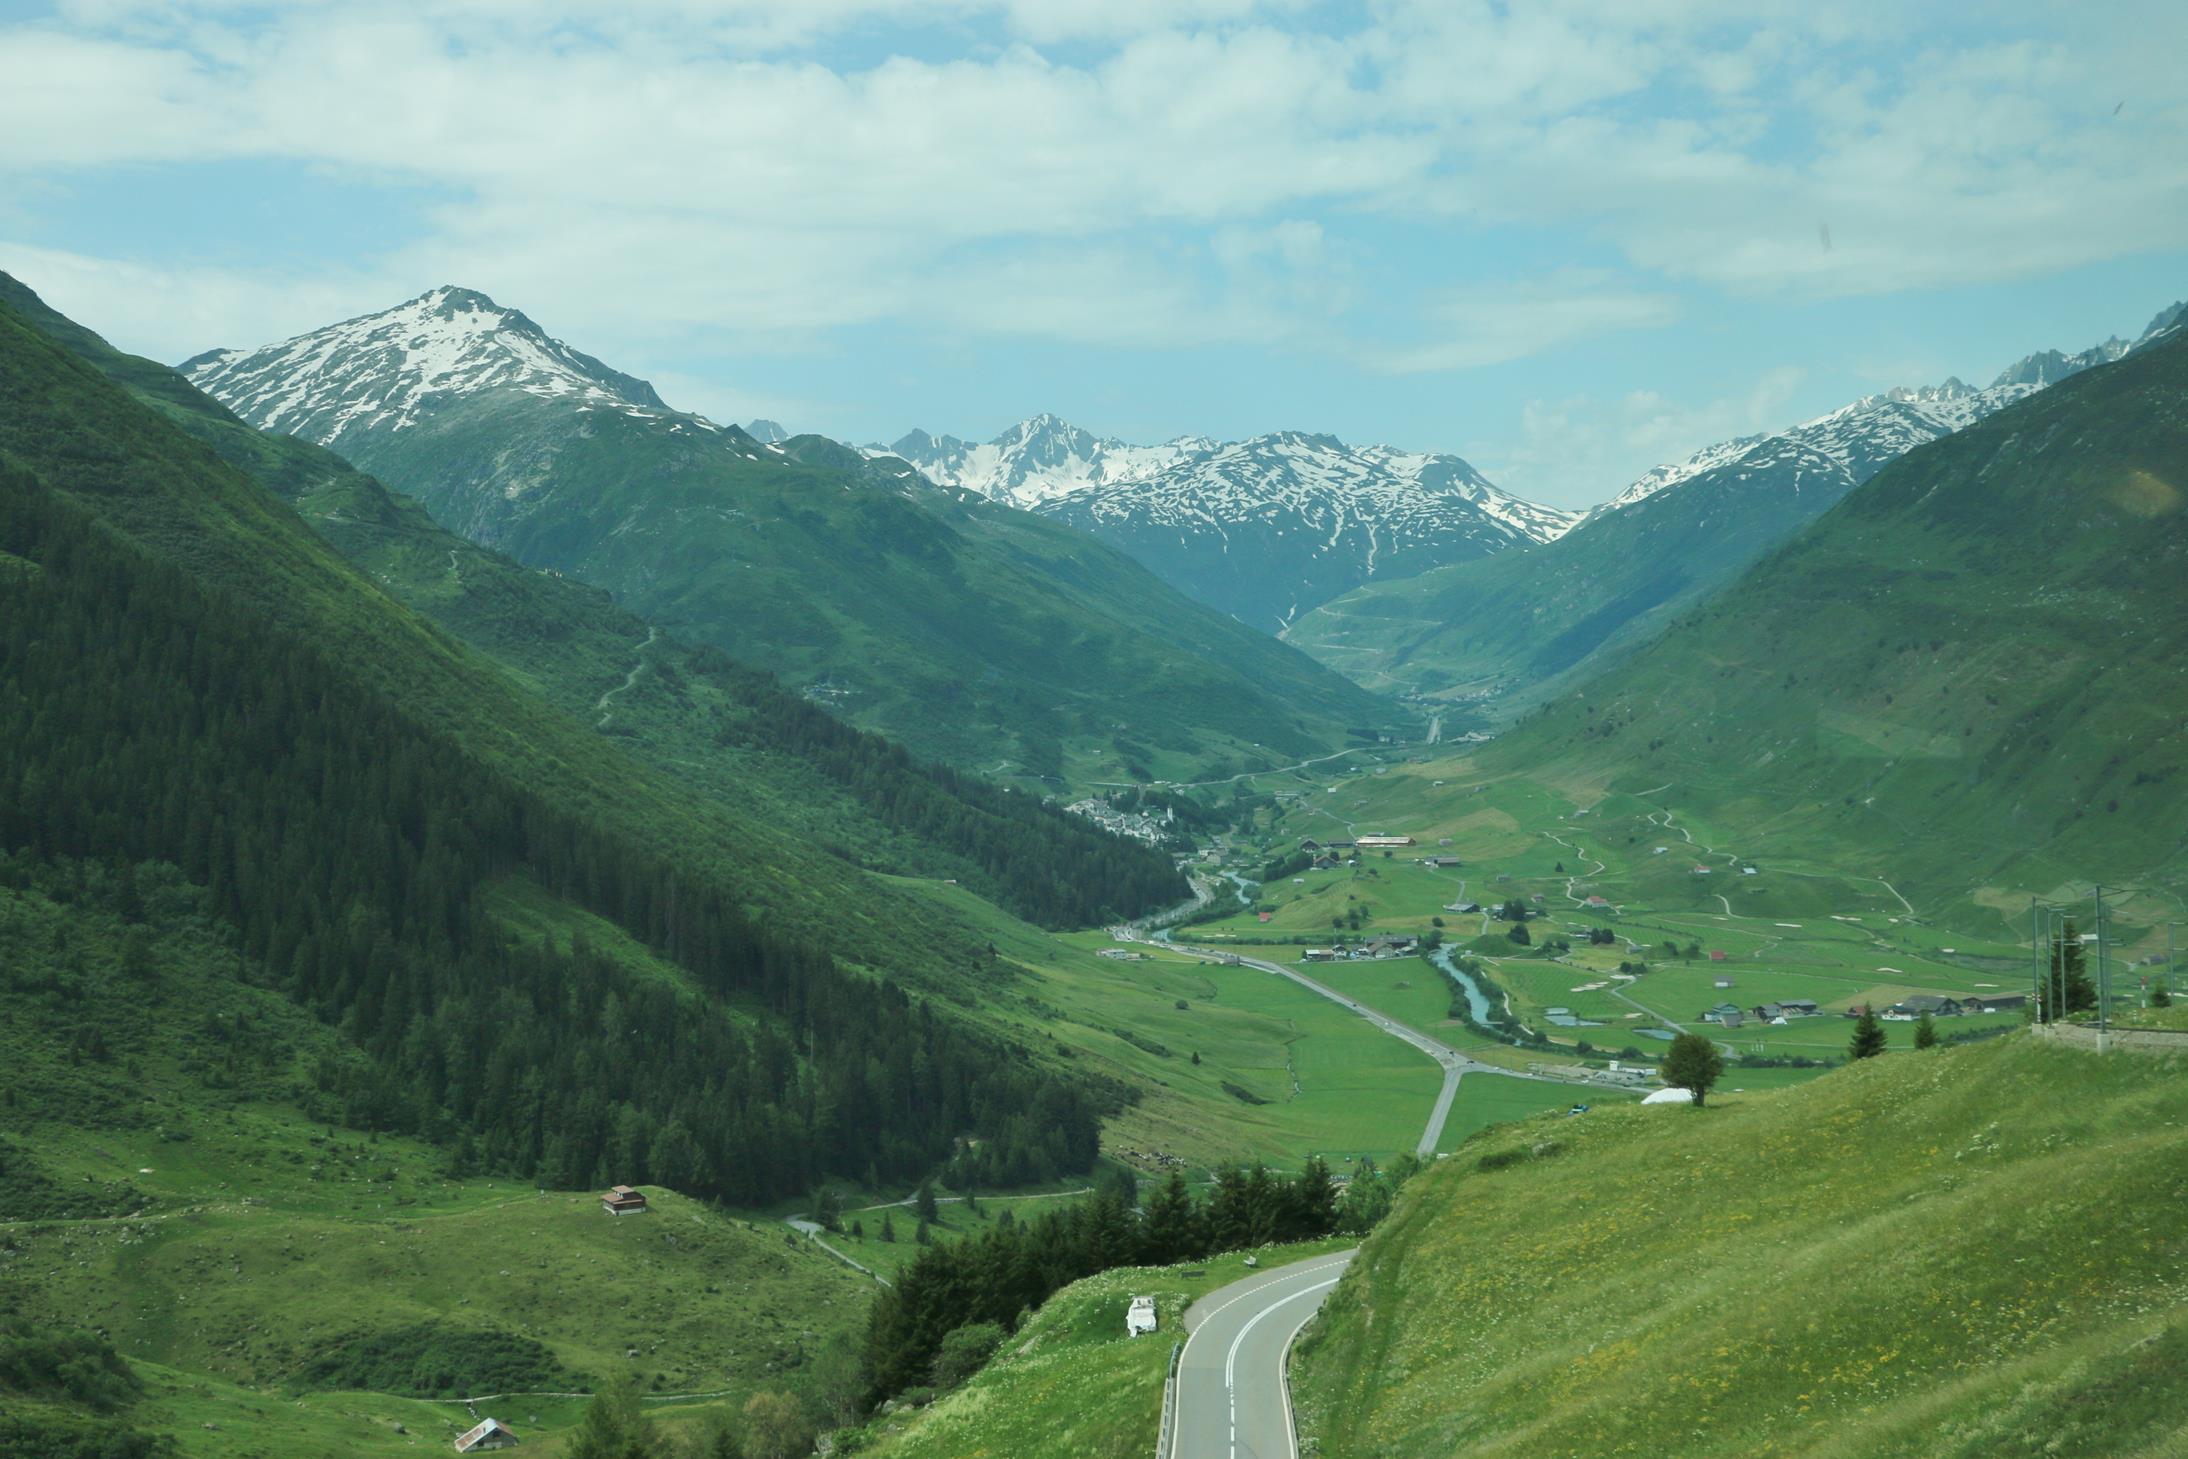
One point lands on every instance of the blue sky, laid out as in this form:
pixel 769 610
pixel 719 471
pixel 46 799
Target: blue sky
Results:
pixel 1567 240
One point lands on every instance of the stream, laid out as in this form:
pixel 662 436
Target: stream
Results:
pixel 1477 1002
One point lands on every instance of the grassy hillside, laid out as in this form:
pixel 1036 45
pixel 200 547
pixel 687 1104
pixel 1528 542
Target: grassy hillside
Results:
pixel 1971 673
pixel 1957 1253
pixel 765 755
pixel 1516 626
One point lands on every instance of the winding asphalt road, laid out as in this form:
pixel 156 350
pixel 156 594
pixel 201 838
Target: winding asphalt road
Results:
pixel 1232 1400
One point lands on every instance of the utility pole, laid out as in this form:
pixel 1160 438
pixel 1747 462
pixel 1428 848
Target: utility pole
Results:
pixel 2104 977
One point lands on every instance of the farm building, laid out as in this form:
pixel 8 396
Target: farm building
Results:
pixel 1716 954
pixel 1377 842
pixel 1907 1010
pixel 1319 955
pixel 1724 982
pixel 1122 955
pixel 1993 1002
pixel 1599 901
pixel 489 1433
pixel 623 1200
pixel 1798 1008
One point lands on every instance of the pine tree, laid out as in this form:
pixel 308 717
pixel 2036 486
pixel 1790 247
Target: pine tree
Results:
pixel 2069 989
pixel 1868 1040
pixel 1925 1031
pixel 923 1202
pixel 888 1228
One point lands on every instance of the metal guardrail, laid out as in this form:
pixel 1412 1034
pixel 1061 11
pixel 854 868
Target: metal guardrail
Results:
pixel 1166 1434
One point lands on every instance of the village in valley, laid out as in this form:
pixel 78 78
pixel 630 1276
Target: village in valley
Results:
pixel 1576 936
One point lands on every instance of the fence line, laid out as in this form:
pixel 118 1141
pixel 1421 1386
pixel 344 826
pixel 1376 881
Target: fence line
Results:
pixel 1165 1434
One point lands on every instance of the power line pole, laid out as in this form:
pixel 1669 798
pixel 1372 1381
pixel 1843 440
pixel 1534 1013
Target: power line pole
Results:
pixel 2104 977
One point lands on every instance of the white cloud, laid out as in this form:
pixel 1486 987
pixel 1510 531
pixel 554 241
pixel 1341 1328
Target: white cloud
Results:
pixel 1488 325
pixel 1129 173
pixel 1578 451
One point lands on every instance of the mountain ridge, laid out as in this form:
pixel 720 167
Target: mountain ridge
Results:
pixel 1263 528
pixel 980 635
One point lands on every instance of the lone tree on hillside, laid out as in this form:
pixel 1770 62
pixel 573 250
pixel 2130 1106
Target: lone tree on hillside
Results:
pixel 1868 1040
pixel 1693 1063
pixel 1520 934
pixel 1925 1031
pixel 923 1202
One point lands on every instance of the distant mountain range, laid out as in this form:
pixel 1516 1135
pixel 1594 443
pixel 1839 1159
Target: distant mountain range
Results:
pixel 1513 628
pixel 1264 529
pixel 985 636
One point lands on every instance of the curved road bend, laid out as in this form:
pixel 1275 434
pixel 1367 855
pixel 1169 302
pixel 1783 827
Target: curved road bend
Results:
pixel 1232 1401
pixel 1454 1064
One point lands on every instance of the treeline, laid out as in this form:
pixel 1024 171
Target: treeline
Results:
pixel 351 852
pixel 1050 867
pixel 1001 1275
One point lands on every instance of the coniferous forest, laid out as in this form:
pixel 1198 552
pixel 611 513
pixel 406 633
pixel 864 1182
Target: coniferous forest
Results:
pixel 150 720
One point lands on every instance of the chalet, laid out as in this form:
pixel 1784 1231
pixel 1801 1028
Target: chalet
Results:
pixel 1445 861
pixel 1377 842
pixel 1994 1002
pixel 1463 908
pixel 1324 862
pixel 1309 844
pixel 1716 954
pixel 1599 901
pixel 1391 945
pixel 1319 955
pixel 1731 1015
pixel 1907 1010
pixel 489 1433
pixel 620 1200
pixel 1701 871
pixel 1724 982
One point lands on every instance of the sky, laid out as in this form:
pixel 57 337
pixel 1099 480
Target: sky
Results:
pixel 1567 240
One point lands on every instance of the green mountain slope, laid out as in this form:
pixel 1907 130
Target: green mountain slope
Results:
pixel 981 635
pixel 1516 626
pixel 1970 674
pixel 190 678
pixel 764 754
pixel 1950 1254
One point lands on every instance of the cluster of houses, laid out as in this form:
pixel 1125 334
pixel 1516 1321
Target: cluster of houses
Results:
pixel 1122 954
pixel 1154 830
pixel 1732 1015
pixel 1907 1010
pixel 1385 945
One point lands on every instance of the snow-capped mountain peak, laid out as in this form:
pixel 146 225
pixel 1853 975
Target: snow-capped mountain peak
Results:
pixel 1864 436
pixel 1263 528
pixel 384 369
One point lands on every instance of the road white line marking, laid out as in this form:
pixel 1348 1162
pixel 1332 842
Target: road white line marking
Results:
pixel 1276 1278
pixel 1230 1361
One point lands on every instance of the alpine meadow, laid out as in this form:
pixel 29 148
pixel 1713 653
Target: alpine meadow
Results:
pixel 1481 809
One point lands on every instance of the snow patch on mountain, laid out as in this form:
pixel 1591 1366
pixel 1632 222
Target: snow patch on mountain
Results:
pixel 388 369
pixel 1871 432
pixel 1047 464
